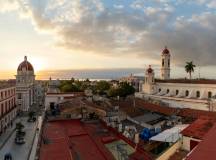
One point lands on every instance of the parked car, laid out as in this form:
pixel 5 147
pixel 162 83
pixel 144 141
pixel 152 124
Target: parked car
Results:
pixel 19 140
pixel 20 134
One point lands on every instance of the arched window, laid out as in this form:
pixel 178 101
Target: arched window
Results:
pixel 177 92
pixel 198 94
pixel 159 90
pixel 168 91
pixel 186 93
pixel 209 94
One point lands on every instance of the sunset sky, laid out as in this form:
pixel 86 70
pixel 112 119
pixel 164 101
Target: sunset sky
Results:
pixel 79 34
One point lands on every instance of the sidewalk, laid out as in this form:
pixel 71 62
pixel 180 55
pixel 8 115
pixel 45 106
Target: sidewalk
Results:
pixel 36 138
pixel 9 131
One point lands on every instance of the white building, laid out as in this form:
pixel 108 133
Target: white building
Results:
pixel 135 81
pixel 25 79
pixel 165 64
pixel 195 91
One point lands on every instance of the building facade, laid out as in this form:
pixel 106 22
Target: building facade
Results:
pixel 8 109
pixel 134 81
pixel 202 91
pixel 25 80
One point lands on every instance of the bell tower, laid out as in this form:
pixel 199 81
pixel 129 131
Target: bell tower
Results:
pixel 165 64
pixel 149 84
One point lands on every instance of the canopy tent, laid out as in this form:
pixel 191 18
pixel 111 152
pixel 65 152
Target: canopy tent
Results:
pixel 170 135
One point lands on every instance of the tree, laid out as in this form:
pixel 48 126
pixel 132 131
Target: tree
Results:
pixel 31 114
pixel 69 88
pixel 113 92
pixel 102 87
pixel 189 68
pixel 124 89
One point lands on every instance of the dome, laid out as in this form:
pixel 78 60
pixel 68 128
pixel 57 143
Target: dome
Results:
pixel 150 70
pixel 25 64
pixel 165 51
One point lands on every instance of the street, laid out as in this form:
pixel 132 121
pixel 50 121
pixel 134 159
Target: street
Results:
pixel 20 152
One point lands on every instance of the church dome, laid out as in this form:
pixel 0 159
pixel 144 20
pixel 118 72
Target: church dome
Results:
pixel 150 70
pixel 25 65
pixel 165 51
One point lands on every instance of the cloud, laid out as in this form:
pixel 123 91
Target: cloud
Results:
pixel 142 29
pixel 212 4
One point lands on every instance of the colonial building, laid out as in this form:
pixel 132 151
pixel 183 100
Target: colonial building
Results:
pixel 165 64
pixel 8 108
pixel 25 79
pixel 196 91
pixel 135 81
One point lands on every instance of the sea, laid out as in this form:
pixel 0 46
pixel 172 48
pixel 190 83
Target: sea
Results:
pixel 208 72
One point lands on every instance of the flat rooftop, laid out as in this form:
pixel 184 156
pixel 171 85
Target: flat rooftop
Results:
pixel 199 128
pixel 77 140
pixel 7 84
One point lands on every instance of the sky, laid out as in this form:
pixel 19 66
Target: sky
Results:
pixel 95 34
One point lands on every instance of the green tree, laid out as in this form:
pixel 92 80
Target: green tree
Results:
pixel 31 114
pixel 113 92
pixel 69 88
pixel 124 89
pixel 189 68
pixel 102 87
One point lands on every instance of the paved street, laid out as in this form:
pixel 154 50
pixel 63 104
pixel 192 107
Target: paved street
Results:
pixel 20 152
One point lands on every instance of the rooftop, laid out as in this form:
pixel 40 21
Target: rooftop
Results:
pixel 7 84
pixel 73 140
pixel 193 81
pixel 183 112
pixel 199 128
pixel 206 149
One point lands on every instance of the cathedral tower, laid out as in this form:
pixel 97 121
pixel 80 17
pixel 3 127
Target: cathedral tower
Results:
pixel 25 79
pixel 165 64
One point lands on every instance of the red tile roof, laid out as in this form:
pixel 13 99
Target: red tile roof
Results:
pixel 206 149
pixel 199 128
pixel 184 112
pixel 74 139
pixel 193 81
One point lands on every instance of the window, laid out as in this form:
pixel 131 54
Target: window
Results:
pixel 198 94
pixel 168 91
pixel 6 106
pixel 186 93
pixel 159 89
pixel 209 94
pixel 2 109
pixel 168 62
pixel 177 92
pixel 162 62
pixel 19 96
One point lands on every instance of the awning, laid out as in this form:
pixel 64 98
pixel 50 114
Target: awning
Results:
pixel 170 135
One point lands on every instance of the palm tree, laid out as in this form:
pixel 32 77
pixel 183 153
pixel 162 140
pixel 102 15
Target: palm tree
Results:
pixel 189 67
